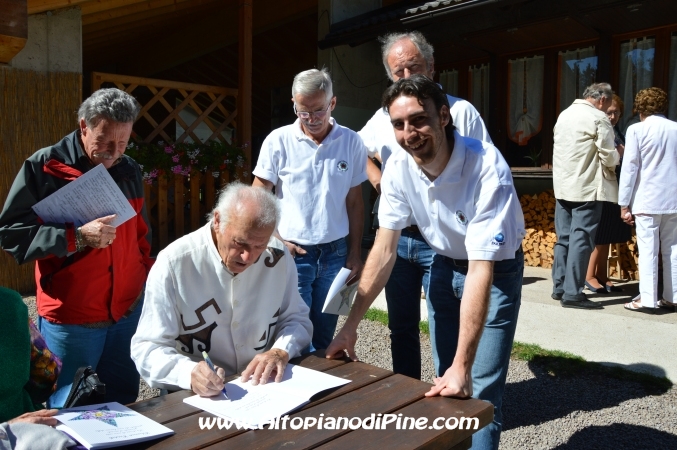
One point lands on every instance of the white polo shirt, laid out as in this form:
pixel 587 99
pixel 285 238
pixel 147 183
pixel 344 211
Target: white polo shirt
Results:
pixel 312 181
pixel 379 137
pixel 471 211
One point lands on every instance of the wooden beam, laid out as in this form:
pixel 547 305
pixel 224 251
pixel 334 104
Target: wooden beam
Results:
pixel 244 99
pixel 38 6
pixel 129 10
pixel 13 28
pixel 93 7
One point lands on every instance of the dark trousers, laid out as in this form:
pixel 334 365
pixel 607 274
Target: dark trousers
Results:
pixel 575 225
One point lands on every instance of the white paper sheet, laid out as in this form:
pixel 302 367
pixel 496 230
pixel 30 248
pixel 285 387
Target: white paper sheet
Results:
pixel 340 296
pixel 91 196
pixel 108 425
pixel 254 406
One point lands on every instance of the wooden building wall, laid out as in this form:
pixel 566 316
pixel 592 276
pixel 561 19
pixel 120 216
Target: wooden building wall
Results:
pixel 36 110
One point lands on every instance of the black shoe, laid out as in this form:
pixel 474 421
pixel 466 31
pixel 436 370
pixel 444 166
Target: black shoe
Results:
pixel 600 290
pixel 556 296
pixel 613 288
pixel 581 304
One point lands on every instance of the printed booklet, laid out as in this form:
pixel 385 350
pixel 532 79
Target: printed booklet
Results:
pixel 108 425
pixel 255 406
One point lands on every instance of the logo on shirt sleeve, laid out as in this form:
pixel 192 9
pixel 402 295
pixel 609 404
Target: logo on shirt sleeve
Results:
pixel 499 239
pixel 342 166
pixel 462 218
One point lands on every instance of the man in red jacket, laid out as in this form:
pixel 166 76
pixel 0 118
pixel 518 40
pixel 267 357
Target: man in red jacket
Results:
pixel 89 279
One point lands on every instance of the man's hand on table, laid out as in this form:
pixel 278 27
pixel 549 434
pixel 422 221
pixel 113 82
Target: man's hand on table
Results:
pixel 98 233
pixel 456 382
pixel 344 340
pixel 262 366
pixel 204 382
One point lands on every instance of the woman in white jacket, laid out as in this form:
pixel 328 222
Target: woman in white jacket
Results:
pixel 647 191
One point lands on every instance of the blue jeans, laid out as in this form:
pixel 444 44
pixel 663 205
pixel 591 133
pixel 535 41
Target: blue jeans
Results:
pixel 489 371
pixel 403 295
pixel 317 270
pixel 107 350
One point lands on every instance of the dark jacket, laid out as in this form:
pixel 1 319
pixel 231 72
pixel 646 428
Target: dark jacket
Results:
pixel 93 285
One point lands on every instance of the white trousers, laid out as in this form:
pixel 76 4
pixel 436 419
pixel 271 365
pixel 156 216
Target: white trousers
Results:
pixel 654 230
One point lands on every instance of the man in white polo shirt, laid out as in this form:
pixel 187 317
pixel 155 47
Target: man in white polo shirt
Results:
pixel 317 167
pixel 406 54
pixel 460 192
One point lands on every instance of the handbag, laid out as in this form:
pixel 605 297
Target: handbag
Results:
pixel 87 389
pixel 45 367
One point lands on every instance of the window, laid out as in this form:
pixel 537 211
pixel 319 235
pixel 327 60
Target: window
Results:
pixel 636 73
pixel 478 89
pixel 525 98
pixel 577 70
pixel 672 86
pixel 449 82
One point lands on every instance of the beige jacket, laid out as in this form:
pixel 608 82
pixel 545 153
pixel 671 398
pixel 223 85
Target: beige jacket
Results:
pixel 583 156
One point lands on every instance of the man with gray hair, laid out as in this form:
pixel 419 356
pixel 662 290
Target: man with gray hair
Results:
pixel 584 160
pixel 228 289
pixel 317 167
pixel 406 54
pixel 89 279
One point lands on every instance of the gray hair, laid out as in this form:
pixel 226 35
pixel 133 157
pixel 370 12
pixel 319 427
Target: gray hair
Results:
pixel 237 197
pixel 598 90
pixel 416 37
pixel 312 81
pixel 111 104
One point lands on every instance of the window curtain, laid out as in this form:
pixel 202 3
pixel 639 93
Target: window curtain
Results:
pixel 525 102
pixel 479 89
pixel 672 88
pixel 577 71
pixel 636 73
pixel 449 82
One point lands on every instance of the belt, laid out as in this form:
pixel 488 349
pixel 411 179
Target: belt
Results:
pixel 412 229
pixel 108 323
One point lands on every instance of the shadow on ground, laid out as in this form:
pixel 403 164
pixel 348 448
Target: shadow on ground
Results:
pixel 619 436
pixel 563 386
pixel 531 280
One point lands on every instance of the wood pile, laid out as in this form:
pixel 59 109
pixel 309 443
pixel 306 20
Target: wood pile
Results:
pixel 539 221
pixel 540 238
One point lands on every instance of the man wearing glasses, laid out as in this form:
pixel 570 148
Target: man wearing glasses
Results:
pixel 316 167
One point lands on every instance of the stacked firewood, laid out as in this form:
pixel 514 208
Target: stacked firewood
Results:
pixel 539 220
pixel 540 238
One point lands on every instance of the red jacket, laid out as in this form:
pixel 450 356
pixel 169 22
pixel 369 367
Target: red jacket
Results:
pixel 93 285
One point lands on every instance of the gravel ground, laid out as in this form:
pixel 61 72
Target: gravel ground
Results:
pixel 546 412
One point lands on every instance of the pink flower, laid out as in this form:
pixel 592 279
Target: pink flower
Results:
pixel 169 149
pixel 175 158
pixel 178 170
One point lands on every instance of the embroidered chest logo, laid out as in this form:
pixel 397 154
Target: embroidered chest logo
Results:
pixel 277 254
pixel 499 239
pixel 265 338
pixel 462 218
pixel 342 166
pixel 203 336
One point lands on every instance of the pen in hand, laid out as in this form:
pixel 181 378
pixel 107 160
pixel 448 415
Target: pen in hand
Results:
pixel 211 366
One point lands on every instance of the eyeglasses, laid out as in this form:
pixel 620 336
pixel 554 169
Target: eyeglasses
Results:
pixel 305 115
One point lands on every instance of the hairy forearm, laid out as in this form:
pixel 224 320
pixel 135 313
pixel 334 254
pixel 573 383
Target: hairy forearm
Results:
pixel 355 207
pixel 474 308
pixel 374 175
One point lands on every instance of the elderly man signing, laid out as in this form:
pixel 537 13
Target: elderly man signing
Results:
pixel 89 279
pixel 227 289
pixel 647 190
pixel 316 167
pixel 584 160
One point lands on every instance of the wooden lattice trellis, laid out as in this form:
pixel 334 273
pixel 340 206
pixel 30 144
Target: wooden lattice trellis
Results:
pixel 186 199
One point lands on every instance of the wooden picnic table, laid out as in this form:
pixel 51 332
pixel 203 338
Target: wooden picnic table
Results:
pixel 372 390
